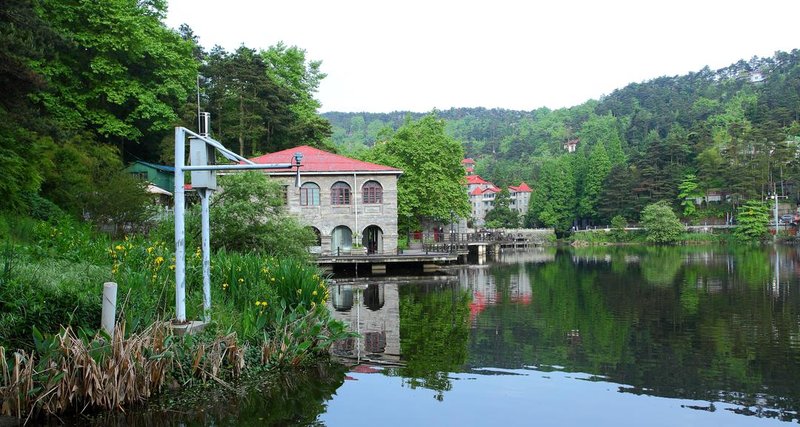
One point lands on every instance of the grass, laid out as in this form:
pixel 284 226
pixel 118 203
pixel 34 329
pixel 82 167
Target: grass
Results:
pixel 267 313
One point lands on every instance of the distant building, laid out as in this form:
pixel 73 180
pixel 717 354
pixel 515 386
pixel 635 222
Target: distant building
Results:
pixel 482 194
pixel 469 166
pixel 160 176
pixel 571 145
pixel 342 199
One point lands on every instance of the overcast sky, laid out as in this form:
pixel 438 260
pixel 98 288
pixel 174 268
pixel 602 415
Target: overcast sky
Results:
pixel 383 56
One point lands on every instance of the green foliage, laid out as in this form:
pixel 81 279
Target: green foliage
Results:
pixel 660 223
pixel 122 84
pixel 553 200
pixel 752 221
pixel 618 224
pixel 432 184
pixel 598 169
pixel 501 215
pixel 689 191
pixel 249 214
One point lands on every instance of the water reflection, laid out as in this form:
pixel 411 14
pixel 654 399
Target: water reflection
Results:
pixel 600 336
pixel 718 324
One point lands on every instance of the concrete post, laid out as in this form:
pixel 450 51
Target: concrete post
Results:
pixel 109 313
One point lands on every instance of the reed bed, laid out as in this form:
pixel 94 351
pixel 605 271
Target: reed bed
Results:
pixel 69 373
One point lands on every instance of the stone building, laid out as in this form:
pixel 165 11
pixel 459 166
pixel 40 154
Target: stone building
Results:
pixel 482 194
pixel 350 204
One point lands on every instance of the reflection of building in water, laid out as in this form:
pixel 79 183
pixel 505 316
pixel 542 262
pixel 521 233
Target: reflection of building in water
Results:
pixel 531 255
pixel 373 311
pixel 482 283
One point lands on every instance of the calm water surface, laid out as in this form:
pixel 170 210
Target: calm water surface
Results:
pixel 610 336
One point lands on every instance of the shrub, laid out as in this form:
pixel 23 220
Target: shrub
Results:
pixel 753 218
pixel 660 223
pixel 618 224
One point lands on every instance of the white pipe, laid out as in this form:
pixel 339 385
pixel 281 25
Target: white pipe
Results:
pixel 180 232
pixel 355 204
pixel 205 195
pixel 109 313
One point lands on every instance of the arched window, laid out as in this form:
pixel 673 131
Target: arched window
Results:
pixel 318 234
pixel 373 192
pixel 309 194
pixel 340 193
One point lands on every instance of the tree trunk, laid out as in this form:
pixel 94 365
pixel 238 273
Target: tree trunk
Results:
pixel 241 126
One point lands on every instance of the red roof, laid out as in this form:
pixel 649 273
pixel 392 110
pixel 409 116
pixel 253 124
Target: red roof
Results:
pixel 478 190
pixel 468 161
pixel 522 188
pixel 475 179
pixel 316 160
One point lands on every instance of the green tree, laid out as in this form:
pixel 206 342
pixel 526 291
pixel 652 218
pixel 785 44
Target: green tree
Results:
pixel 501 215
pixel 753 220
pixel 660 223
pixel 120 72
pixel 249 215
pixel 688 192
pixel 596 174
pixel 618 224
pixel 552 203
pixel 432 184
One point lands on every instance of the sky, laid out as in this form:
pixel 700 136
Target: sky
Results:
pixel 417 55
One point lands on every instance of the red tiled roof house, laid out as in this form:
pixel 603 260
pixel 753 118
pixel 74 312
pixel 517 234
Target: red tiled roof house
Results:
pixel 345 201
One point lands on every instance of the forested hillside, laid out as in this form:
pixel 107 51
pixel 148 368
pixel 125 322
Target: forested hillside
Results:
pixel 86 87
pixel 733 131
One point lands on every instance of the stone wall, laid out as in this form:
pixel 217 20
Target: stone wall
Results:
pixel 357 216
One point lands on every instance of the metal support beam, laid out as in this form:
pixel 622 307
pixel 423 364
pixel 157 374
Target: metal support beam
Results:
pixel 180 231
pixel 205 195
pixel 181 135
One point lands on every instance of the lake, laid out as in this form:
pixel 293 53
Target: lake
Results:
pixel 611 336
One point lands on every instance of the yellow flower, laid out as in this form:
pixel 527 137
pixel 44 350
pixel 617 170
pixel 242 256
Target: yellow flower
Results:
pixel 150 250
pixel 314 293
pixel 224 286
pixel 264 303
pixel 172 267
pixel 159 260
pixel 264 270
pixel 119 247
pixel 241 280
pixel 258 303
pixel 271 279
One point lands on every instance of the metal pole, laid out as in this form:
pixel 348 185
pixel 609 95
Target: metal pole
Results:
pixel 180 231
pixel 205 195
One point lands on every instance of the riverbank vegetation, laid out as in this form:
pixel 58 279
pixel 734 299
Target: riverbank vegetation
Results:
pixel 267 313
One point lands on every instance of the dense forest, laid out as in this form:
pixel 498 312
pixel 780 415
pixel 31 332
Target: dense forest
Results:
pixel 733 131
pixel 86 87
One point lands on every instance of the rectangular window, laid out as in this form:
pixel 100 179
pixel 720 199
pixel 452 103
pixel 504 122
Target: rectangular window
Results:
pixel 373 195
pixel 340 196
pixel 309 196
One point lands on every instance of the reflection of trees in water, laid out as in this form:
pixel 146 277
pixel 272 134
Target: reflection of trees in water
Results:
pixel 434 329
pixel 684 324
pixel 660 265
pixel 295 398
